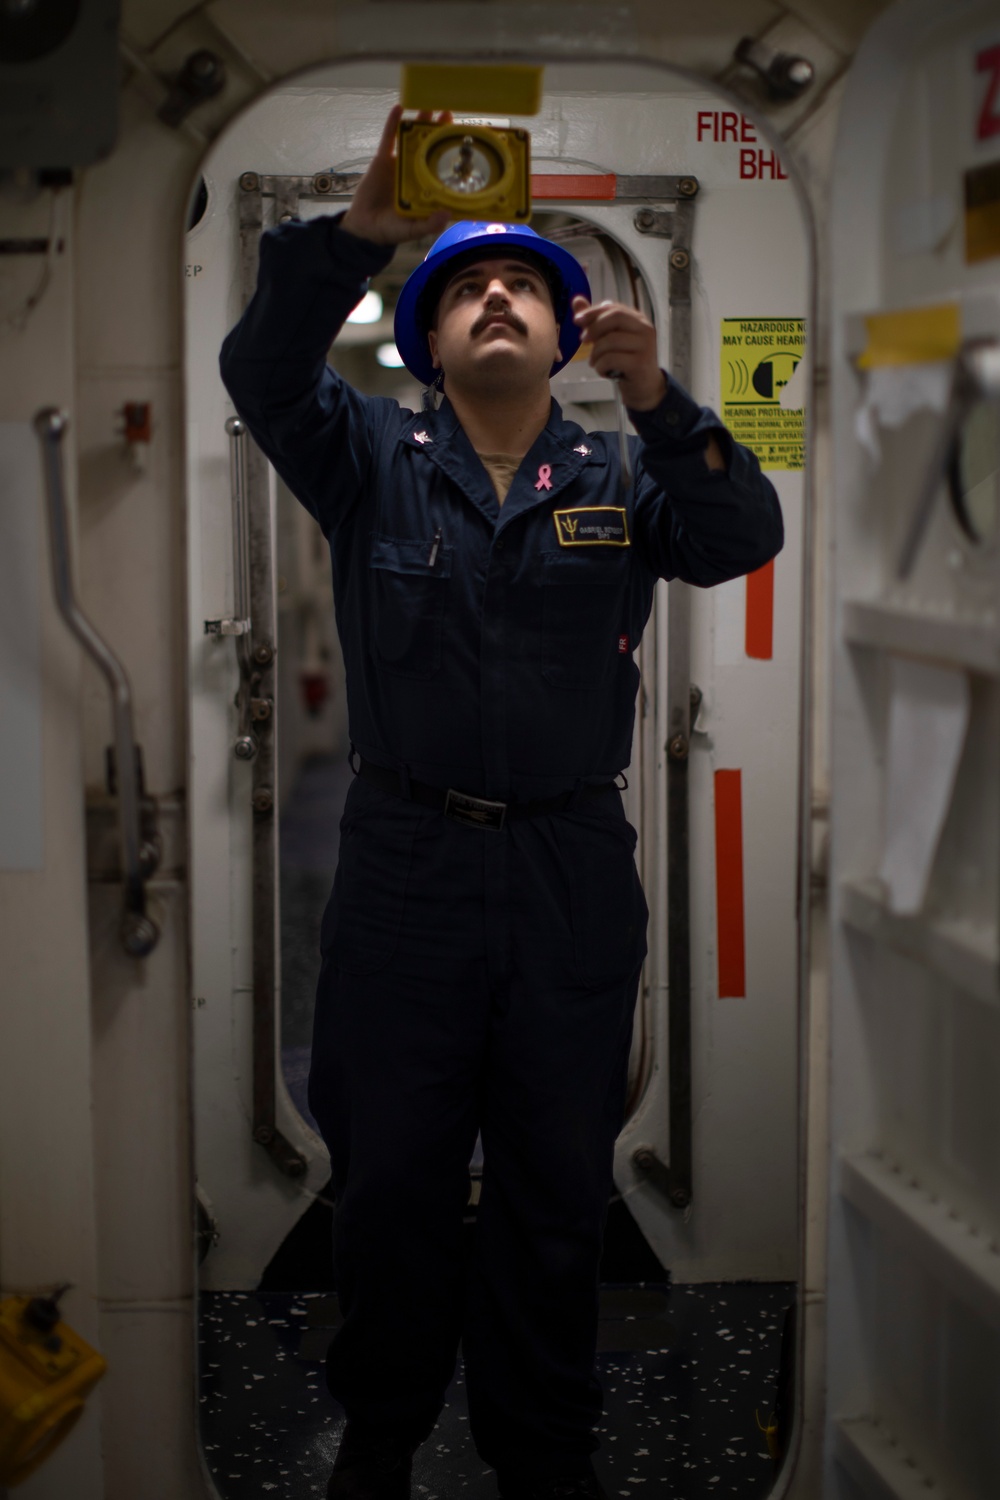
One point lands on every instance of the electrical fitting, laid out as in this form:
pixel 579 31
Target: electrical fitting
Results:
pixel 783 74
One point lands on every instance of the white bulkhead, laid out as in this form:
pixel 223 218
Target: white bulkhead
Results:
pixel 852 689
pixel 914 1290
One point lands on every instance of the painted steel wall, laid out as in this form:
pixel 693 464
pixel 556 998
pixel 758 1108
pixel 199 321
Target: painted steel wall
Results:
pixel 48 1229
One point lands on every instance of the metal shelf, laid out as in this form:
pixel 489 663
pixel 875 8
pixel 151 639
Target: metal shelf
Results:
pixel 879 1465
pixel 949 641
pixel 966 955
pixel 965 1261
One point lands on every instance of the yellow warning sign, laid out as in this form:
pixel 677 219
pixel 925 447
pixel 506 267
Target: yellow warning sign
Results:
pixel 759 358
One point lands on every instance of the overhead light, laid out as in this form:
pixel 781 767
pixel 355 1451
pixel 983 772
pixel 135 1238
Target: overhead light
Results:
pixel 368 310
pixel 389 356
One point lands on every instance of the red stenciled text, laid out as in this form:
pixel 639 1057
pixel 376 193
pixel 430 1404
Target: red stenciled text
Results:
pixel 756 165
pixel 725 125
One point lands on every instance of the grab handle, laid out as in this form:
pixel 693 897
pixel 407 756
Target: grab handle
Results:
pixel 240 625
pixel 139 932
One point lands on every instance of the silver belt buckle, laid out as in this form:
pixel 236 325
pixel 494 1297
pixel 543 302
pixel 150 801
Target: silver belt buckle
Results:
pixel 474 812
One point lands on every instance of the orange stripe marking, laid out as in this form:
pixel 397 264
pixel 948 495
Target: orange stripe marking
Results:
pixel 760 613
pixel 729 883
pixel 573 185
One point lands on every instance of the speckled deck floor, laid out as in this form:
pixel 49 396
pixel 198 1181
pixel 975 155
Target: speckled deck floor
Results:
pixel 679 1414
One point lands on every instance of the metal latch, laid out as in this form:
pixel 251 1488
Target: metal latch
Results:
pixel 227 627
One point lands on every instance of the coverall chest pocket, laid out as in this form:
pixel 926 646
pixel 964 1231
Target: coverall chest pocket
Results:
pixel 583 611
pixel 409 599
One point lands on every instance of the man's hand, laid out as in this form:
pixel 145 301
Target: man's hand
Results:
pixel 623 343
pixel 372 214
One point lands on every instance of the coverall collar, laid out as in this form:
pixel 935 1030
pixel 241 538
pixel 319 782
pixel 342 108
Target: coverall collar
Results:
pixel 555 458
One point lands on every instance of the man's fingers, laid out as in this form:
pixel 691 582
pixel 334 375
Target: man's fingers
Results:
pixel 585 313
pixel 622 339
pixel 620 362
pixel 386 144
pixel 627 340
pixel 614 366
pixel 433 224
pixel 396 229
pixel 595 322
pixel 623 330
pixel 611 315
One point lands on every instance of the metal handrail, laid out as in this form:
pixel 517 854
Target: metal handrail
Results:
pixel 236 432
pixel 240 625
pixel 245 747
pixel 139 932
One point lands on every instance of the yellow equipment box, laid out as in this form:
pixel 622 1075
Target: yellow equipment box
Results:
pixel 472 88
pixel 46 1372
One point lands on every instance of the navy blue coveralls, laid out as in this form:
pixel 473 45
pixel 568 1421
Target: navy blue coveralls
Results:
pixel 475 979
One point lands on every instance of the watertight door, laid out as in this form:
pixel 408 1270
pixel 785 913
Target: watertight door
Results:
pixel 728 252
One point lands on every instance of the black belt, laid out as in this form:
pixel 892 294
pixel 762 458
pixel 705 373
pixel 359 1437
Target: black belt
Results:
pixel 474 812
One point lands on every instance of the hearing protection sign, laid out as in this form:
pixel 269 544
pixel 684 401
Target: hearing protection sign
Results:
pixel 759 358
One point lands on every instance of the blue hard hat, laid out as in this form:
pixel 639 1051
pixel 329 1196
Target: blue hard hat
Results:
pixel 414 310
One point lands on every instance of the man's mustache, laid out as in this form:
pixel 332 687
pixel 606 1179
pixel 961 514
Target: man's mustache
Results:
pixel 496 315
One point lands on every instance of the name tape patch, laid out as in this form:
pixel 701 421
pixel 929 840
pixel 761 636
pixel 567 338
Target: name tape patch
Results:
pixel 592 526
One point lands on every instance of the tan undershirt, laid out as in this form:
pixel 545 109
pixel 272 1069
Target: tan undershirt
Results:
pixel 501 467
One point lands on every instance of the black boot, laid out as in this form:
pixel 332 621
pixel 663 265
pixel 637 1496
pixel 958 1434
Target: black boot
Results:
pixel 371 1466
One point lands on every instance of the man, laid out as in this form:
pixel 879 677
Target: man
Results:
pixel 482 946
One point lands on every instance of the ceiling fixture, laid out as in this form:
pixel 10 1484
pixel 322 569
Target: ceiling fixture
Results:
pixel 368 310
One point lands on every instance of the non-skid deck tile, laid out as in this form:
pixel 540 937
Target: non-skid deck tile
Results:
pixel 680 1417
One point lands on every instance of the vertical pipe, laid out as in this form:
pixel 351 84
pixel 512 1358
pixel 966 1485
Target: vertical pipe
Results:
pixel 677 747
pixel 261 698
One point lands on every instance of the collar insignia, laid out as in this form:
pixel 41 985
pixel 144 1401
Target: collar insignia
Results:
pixel 581 448
pixel 422 437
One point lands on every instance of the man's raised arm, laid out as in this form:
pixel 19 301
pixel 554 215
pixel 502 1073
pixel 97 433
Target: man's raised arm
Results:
pixel 317 431
pixel 704 511
pixel 700 520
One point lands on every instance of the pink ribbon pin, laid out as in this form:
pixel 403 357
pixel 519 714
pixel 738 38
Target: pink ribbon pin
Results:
pixel 544 477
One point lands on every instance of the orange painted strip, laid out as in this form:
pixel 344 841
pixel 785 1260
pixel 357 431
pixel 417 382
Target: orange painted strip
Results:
pixel 760 612
pixel 729 883
pixel 573 185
